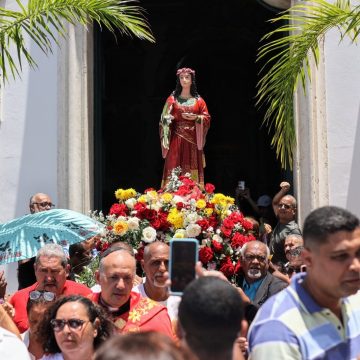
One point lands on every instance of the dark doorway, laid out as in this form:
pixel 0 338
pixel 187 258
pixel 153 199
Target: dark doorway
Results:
pixel 133 78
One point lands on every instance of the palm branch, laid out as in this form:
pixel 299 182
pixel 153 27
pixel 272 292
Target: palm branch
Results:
pixel 288 61
pixel 43 20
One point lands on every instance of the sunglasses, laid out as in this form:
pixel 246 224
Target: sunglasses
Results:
pixel 74 324
pixel 285 206
pixel 45 204
pixel 46 295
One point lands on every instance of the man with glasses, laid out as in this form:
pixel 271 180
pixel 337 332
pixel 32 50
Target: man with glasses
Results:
pixel 26 276
pixel 51 271
pixel 285 210
pixel 257 282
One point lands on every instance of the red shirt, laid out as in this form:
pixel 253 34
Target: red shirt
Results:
pixel 20 298
pixel 144 315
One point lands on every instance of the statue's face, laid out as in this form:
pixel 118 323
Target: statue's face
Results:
pixel 185 80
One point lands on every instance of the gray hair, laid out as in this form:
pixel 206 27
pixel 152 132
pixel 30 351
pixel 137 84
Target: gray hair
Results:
pixel 244 247
pixel 296 236
pixel 292 199
pixel 52 250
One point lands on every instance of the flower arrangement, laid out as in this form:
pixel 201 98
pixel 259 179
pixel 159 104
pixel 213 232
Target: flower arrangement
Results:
pixel 181 210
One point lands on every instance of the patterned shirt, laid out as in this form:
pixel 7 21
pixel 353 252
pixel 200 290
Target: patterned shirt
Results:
pixel 291 325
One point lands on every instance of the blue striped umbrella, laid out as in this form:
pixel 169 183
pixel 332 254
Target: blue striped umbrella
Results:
pixel 21 238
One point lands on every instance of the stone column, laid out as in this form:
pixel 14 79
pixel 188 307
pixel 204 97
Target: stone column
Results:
pixel 75 120
pixel 311 156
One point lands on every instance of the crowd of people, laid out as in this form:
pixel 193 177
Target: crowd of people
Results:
pixel 295 298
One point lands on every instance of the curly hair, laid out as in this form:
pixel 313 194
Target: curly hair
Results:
pixel 94 311
pixel 193 88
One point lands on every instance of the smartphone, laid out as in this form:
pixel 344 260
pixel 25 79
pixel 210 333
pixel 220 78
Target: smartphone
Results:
pixel 183 258
pixel 241 185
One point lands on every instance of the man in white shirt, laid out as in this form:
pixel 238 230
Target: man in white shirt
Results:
pixel 155 264
pixel 11 347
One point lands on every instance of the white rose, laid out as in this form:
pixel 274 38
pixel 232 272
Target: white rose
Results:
pixel 177 199
pixel 193 230
pixel 148 234
pixel 130 203
pixel 191 218
pixel 133 223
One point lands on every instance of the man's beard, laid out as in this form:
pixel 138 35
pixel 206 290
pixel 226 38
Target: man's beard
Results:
pixel 254 273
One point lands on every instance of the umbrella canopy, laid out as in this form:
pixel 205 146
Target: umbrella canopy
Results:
pixel 21 238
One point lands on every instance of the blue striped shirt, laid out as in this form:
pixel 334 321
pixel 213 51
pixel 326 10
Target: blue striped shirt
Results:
pixel 291 325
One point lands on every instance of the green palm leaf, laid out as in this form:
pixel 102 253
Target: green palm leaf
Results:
pixel 288 61
pixel 43 20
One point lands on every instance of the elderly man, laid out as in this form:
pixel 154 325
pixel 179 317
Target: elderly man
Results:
pixel 128 310
pixel 51 270
pixel 285 210
pixel 210 318
pixel 316 317
pixel 155 265
pixel 293 247
pixel 257 282
pixel 26 276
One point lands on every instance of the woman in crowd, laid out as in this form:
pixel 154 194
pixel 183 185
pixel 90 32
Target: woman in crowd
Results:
pixel 38 303
pixel 73 328
pixel 184 123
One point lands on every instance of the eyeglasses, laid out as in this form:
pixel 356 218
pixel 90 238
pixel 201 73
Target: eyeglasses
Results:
pixel 46 295
pixel 74 324
pixel 285 206
pixel 44 204
pixel 259 258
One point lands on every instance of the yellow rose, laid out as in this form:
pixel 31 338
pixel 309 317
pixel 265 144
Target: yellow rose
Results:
pixel 142 199
pixel 209 211
pixel 166 197
pixel 119 193
pixel 179 235
pixel 217 198
pixel 175 218
pixel 230 200
pixel 128 193
pixel 201 204
pixel 120 228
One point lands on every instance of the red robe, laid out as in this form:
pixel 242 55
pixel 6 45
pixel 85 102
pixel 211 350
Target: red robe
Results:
pixel 144 315
pixel 182 141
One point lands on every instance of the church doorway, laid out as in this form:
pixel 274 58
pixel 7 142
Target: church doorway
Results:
pixel 133 78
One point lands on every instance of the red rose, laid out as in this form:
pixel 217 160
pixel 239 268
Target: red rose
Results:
pixel 183 190
pixel 247 225
pixel 226 231
pixel 156 223
pixel 139 206
pixel 206 255
pixel 179 205
pixel 227 268
pixel 238 240
pixel 212 221
pixel 218 247
pixel 118 210
pixel 209 188
pixel 204 224
pixel 250 237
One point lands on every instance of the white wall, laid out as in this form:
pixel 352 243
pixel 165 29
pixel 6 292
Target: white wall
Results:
pixel 342 69
pixel 28 139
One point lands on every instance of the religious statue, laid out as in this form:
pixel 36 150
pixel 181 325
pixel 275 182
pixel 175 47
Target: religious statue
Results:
pixel 184 123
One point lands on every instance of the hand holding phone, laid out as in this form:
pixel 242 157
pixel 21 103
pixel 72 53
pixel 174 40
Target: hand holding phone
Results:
pixel 183 258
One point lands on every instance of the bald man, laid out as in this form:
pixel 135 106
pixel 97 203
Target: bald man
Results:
pixel 129 311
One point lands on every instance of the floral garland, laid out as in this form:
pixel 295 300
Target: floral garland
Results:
pixel 181 210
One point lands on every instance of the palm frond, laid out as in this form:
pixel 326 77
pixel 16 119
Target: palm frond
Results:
pixel 44 20
pixel 288 61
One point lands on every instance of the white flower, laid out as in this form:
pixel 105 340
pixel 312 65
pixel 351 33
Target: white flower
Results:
pixel 148 234
pixel 191 218
pixel 133 223
pixel 130 203
pixel 177 199
pixel 217 238
pixel 193 230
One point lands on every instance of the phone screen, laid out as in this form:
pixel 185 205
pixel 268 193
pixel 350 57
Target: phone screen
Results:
pixel 183 257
